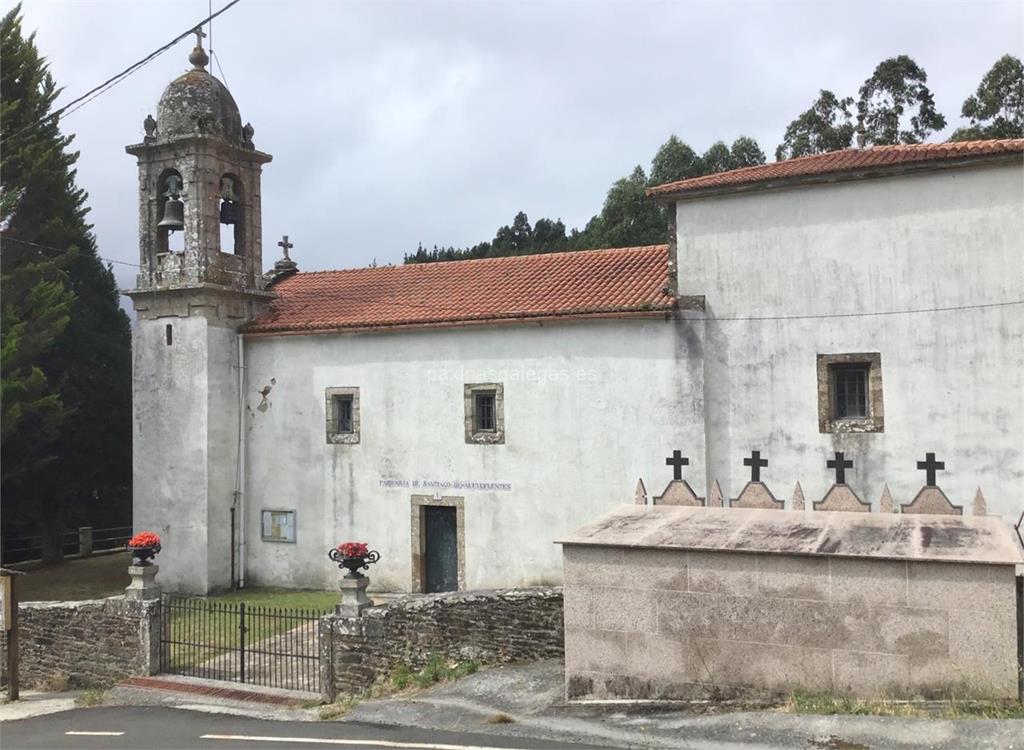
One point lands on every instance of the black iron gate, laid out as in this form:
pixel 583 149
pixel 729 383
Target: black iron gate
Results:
pixel 256 645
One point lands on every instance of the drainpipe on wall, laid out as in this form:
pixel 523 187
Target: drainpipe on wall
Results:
pixel 240 463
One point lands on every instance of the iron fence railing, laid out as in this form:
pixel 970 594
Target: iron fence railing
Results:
pixel 239 642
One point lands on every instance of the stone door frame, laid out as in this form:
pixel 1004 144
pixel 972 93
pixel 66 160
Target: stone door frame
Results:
pixel 418 536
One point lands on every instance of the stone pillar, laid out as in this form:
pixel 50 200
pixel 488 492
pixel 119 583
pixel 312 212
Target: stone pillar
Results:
pixel 353 597
pixel 143 585
pixel 84 541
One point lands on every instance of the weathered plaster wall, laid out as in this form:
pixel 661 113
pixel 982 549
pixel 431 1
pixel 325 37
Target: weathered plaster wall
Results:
pixel 683 624
pixel 185 446
pixel 489 627
pixel 589 407
pixel 83 644
pixel 953 382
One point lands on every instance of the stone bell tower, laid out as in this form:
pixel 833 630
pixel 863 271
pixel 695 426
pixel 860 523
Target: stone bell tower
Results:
pixel 200 279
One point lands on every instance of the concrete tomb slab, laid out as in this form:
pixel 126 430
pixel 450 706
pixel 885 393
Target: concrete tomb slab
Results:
pixel 678 492
pixel 757 495
pixel 841 498
pixel 933 501
pixel 897 536
pixel 676 602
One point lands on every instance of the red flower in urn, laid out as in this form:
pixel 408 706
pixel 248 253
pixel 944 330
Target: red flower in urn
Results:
pixel 143 546
pixel 353 556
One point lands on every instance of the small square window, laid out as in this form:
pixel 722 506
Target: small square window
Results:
pixel 850 393
pixel 485 413
pixel 343 421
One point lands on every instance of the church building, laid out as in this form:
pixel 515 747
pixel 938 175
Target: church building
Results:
pixel 861 309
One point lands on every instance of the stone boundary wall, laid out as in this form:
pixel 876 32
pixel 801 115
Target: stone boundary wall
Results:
pixel 490 627
pixel 687 624
pixel 87 643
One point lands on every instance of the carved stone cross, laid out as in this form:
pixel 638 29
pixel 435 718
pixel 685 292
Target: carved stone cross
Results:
pixel 285 245
pixel 840 466
pixel 756 463
pixel 930 466
pixel 677 461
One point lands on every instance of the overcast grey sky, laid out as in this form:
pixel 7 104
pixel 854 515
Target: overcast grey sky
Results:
pixel 394 123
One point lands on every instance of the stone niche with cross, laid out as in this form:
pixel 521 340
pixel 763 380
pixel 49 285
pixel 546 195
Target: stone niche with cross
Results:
pixel 840 497
pixel 678 491
pixel 930 499
pixel 755 494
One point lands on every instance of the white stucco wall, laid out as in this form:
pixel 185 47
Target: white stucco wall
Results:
pixel 953 381
pixel 184 447
pixel 589 408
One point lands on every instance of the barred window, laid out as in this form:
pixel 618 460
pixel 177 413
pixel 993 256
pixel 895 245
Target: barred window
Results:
pixel 483 412
pixel 850 386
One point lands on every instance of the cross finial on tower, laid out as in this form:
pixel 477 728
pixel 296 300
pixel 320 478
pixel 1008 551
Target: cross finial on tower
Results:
pixel 285 245
pixel 198 56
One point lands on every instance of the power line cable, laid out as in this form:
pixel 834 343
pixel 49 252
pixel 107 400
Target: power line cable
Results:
pixel 88 96
pixel 6 238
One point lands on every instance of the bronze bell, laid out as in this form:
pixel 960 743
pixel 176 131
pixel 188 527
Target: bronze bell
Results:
pixel 228 212
pixel 174 215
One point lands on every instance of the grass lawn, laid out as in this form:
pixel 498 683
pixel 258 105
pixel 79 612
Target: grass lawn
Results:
pixel 76 579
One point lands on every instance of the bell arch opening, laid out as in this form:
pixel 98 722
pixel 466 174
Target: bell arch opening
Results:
pixel 170 235
pixel 232 216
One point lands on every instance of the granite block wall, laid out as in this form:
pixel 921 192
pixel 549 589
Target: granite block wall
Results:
pixel 490 627
pixel 84 644
pixel 644 623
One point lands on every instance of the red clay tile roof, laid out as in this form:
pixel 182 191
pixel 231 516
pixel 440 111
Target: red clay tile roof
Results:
pixel 587 283
pixel 839 162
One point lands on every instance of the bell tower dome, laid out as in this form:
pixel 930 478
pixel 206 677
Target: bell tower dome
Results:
pixel 200 280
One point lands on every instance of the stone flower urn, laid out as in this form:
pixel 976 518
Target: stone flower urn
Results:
pixel 143 547
pixel 353 557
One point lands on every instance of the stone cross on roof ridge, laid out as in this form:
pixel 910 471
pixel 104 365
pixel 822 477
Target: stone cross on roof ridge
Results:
pixel 285 245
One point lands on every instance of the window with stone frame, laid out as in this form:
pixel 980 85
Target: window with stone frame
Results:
pixel 850 393
pixel 485 413
pixel 342 415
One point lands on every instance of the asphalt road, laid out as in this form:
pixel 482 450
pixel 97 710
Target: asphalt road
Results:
pixel 160 728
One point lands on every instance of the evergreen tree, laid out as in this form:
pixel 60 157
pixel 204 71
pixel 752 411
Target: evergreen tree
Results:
pixel 897 89
pixel 745 152
pixel 826 126
pixel 78 374
pixel 996 109
pixel 674 161
pixel 628 216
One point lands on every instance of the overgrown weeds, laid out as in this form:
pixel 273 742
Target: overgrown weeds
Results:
pixel 953 707
pixel 437 669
